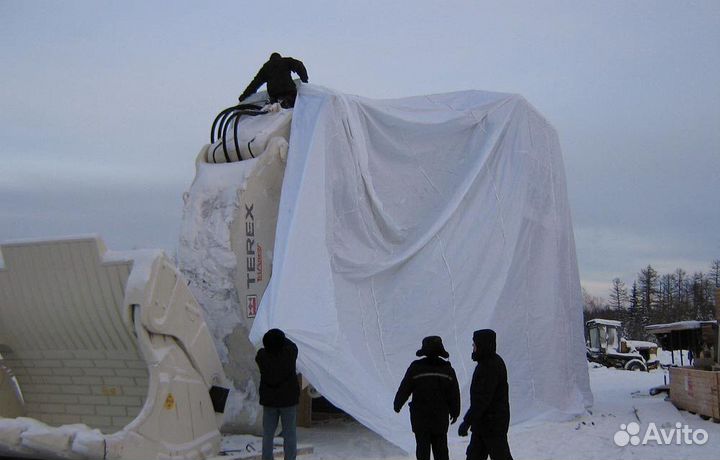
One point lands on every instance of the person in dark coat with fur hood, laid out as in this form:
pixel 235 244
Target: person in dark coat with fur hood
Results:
pixel 435 398
pixel 279 391
pixel 276 74
pixel 489 414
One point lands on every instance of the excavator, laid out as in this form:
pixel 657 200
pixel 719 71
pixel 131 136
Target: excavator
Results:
pixel 136 355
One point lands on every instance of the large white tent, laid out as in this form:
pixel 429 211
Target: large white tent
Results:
pixel 429 215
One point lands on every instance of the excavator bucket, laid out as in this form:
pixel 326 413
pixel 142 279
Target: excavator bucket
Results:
pixel 104 355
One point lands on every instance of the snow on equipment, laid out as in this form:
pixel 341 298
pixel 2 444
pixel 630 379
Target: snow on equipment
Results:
pixel 111 354
pixel 226 247
pixel 398 219
pixel 606 345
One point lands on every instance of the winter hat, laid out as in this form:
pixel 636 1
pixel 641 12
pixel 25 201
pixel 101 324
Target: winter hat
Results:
pixel 484 340
pixel 274 339
pixel 432 346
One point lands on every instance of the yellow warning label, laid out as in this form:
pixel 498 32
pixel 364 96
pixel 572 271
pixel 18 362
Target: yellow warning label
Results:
pixel 169 402
pixel 110 391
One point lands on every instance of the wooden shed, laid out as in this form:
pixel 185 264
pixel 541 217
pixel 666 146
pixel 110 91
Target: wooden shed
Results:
pixel 694 386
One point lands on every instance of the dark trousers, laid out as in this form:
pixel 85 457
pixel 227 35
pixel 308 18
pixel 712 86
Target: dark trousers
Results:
pixel 482 445
pixel 427 440
pixel 286 99
pixel 288 417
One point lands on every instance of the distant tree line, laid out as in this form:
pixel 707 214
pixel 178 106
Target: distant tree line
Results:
pixel 656 298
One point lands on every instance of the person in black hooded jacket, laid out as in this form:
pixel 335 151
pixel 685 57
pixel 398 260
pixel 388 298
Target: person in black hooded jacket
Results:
pixel 435 398
pixel 279 391
pixel 489 414
pixel 276 73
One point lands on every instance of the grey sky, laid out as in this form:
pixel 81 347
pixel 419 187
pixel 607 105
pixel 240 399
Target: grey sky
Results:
pixel 104 105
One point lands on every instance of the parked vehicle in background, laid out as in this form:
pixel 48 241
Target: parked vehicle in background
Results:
pixel 607 346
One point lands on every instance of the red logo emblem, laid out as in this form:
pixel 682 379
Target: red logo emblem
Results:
pixel 252 306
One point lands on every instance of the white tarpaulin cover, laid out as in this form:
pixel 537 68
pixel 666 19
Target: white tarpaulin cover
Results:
pixel 430 215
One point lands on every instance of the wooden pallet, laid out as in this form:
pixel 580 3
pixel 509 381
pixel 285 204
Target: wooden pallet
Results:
pixel 696 391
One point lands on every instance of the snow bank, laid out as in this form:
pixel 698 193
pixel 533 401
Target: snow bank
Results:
pixel 621 397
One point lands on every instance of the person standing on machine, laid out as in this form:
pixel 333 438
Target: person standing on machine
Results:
pixel 276 73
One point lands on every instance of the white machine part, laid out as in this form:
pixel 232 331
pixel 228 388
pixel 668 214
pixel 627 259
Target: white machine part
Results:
pixel 226 253
pixel 111 353
pixel 245 136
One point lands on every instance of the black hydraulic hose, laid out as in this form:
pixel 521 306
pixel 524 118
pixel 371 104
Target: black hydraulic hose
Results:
pixel 224 145
pixel 227 157
pixel 235 138
pixel 225 122
pixel 236 117
pixel 224 114
pixel 215 122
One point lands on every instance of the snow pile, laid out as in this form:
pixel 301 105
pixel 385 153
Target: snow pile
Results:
pixel 432 215
pixel 29 438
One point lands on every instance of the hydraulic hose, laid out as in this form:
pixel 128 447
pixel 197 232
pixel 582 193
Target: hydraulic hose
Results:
pixel 236 118
pixel 223 114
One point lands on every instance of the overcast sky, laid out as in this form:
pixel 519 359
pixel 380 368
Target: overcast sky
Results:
pixel 104 105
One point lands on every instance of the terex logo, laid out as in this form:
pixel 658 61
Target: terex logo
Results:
pixel 250 244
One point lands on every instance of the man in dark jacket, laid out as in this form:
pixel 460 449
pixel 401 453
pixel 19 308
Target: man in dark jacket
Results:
pixel 489 414
pixel 435 398
pixel 276 73
pixel 279 391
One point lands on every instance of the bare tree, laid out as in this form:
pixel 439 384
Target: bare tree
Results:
pixel 714 274
pixel 668 296
pixel 618 294
pixel 591 302
pixel 701 297
pixel 597 307
pixel 682 309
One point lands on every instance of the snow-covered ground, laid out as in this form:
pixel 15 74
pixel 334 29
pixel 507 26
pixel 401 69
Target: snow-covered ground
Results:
pixel 621 397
